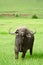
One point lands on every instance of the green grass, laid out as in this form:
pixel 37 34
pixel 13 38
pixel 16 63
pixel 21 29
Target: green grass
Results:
pixel 7 56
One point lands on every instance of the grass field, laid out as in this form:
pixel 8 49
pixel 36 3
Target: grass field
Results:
pixel 7 56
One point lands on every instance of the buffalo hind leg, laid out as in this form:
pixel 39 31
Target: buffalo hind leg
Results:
pixel 30 51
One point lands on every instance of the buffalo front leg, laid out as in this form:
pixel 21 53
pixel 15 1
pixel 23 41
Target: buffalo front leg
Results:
pixel 23 54
pixel 16 54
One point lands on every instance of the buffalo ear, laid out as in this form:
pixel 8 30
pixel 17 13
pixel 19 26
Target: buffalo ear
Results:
pixel 16 32
pixel 28 35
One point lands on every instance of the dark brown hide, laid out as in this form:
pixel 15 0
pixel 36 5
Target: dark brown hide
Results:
pixel 24 40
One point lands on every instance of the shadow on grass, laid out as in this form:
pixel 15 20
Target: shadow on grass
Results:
pixel 35 56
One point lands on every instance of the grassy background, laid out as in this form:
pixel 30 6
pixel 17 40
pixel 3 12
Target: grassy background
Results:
pixel 23 6
pixel 6 5
pixel 7 56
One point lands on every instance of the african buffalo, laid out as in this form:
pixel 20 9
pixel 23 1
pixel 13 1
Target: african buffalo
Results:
pixel 23 41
